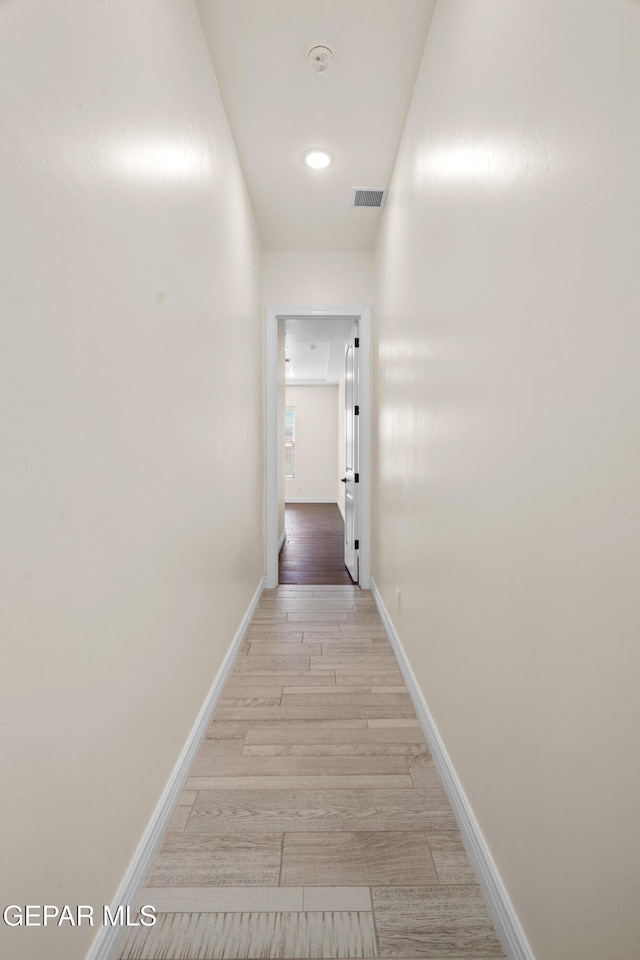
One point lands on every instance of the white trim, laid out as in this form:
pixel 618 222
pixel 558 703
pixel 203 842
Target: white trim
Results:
pixel 341 509
pixel 514 940
pixel 271 444
pixel 105 944
pixel 290 382
pixel 364 452
pixel 283 537
pixel 311 500
pixel 363 316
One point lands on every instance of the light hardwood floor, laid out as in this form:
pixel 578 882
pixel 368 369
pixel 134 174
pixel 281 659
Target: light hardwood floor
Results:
pixel 314 823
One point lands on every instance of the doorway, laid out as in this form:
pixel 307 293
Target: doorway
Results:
pixel 276 318
pixel 313 550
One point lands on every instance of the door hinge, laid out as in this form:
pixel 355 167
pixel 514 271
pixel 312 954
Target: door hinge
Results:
pixel 356 545
pixel 356 412
pixel 357 478
pixel 356 342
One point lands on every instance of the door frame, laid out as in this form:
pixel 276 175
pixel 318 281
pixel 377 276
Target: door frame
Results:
pixel 273 315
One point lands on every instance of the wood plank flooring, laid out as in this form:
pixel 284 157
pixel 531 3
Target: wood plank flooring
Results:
pixel 313 552
pixel 314 823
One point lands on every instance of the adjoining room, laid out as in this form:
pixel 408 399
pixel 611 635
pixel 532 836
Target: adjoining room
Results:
pixel 313 550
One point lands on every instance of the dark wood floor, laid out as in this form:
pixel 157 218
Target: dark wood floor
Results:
pixel 314 549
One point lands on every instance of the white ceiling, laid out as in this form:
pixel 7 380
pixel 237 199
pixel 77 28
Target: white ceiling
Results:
pixel 279 107
pixel 324 364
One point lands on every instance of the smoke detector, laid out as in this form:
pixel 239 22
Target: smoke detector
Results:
pixel 320 58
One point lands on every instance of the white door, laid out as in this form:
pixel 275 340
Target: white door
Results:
pixel 351 477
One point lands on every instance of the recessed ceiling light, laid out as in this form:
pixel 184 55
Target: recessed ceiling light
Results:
pixel 317 159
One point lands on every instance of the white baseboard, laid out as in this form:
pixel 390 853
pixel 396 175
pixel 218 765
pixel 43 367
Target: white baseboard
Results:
pixel 509 929
pixel 283 537
pixel 107 940
pixel 310 500
pixel 341 509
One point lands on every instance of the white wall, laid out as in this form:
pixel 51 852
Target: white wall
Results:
pixel 506 501
pixel 317 278
pixel 316 463
pixel 131 309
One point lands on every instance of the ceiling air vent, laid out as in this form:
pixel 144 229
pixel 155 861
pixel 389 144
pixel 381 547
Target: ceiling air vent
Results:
pixel 369 197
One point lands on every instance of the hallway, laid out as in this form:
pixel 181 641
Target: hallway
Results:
pixel 163 231
pixel 314 823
